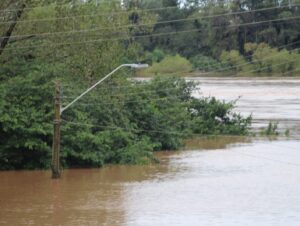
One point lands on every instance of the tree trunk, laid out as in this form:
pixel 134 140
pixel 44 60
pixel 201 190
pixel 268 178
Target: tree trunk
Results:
pixel 7 34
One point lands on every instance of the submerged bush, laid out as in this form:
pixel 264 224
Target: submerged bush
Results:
pixel 211 116
pixel 270 130
pixel 120 124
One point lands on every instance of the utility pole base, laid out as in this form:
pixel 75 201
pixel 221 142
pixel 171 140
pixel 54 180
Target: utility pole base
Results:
pixel 56 134
pixel 55 174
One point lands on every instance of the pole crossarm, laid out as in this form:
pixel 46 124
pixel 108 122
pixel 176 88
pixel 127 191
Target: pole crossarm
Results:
pixel 137 66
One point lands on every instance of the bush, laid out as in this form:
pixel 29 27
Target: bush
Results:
pixel 235 61
pixel 211 116
pixel 170 65
pixel 154 57
pixel 266 59
pixel 205 63
pixel 271 130
pixel 123 128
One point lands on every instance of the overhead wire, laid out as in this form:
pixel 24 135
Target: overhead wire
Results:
pixel 249 71
pixel 157 91
pixel 253 61
pixel 70 4
pixel 111 13
pixel 148 10
pixel 139 130
pixel 125 102
pixel 145 36
pixel 134 25
pixel 177 133
pixel 127 95
pixel 195 89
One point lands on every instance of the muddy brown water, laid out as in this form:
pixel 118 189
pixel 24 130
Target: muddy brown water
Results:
pixel 275 100
pixel 214 181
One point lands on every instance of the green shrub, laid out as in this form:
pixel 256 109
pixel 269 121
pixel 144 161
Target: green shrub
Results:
pixel 236 62
pixel 170 65
pixel 123 128
pixel 270 130
pixel 266 59
pixel 263 58
pixel 205 63
pixel 154 57
pixel 211 116
pixel 157 55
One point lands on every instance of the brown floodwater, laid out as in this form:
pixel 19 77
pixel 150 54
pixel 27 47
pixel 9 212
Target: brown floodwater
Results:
pixel 276 100
pixel 213 181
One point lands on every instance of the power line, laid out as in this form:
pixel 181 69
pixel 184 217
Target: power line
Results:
pixel 148 10
pixel 56 4
pixel 142 92
pixel 178 133
pixel 141 82
pixel 136 101
pixel 249 71
pixel 253 61
pixel 112 13
pixel 235 66
pixel 163 98
pixel 145 130
pixel 153 35
pixel 155 92
pixel 134 25
pixel 249 56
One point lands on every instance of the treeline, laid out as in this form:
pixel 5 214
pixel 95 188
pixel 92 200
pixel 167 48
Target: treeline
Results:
pixel 224 37
pixel 258 60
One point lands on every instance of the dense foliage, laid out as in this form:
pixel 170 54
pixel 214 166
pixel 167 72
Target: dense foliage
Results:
pixel 114 124
pixel 122 121
pixel 215 35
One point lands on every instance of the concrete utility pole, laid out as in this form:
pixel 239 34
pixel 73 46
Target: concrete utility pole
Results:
pixel 56 135
pixel 58 110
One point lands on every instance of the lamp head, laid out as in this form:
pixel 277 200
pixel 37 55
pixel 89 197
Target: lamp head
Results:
pixel 138 66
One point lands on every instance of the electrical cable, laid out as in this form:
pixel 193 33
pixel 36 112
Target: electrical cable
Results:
pixel 151 35
pixel 148 10
pixel 196 89
pixel 178 133
pixel 128 26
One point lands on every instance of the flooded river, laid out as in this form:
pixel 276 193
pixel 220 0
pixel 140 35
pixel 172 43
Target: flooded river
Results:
pixel 275 100
pixel 227 181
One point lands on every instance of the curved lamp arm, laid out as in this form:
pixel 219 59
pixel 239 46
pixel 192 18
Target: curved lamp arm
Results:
pixel 136 66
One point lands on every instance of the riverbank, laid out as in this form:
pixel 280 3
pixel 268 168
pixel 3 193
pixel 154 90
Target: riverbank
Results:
pixel 196 74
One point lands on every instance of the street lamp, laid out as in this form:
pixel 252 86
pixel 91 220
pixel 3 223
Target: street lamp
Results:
pixel 136 66
pixel 58 112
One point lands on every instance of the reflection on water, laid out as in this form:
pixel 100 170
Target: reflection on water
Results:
pixel 227 181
